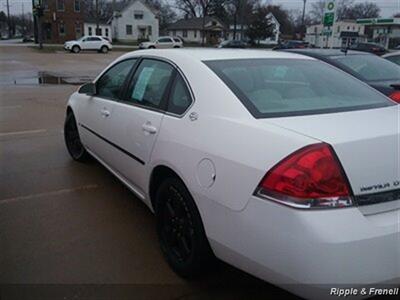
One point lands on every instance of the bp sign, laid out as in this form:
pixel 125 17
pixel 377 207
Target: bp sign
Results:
pixel 329 13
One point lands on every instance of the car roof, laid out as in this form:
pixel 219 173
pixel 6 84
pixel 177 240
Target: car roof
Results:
pixel 396 53
pixel 201 54
pixel 326 52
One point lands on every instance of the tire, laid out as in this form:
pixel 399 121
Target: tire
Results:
pixel 73 141
pixel 176 47
pixel 180 230
pixel 104 49
pixel 152 47
pixel 76 49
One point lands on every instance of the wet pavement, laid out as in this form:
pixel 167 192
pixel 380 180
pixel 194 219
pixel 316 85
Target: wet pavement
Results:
pixel 71 230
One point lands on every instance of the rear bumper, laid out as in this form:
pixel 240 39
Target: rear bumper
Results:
pixel 298 249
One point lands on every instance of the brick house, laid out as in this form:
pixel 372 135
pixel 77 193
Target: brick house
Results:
pixel 62 20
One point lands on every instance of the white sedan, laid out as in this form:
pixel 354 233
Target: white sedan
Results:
pixel 94 43
pixel 276 163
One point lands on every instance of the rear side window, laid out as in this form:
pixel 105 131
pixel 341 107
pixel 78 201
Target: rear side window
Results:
pixel 371 67
pixel 287 87
pixel 110 84
pixel 177 40
pixel 179 99
pixel 150 83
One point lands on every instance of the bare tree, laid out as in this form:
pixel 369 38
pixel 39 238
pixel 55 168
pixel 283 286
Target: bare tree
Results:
pixel 191 8
pixel 342 8
pixel 240 12
pixel 363 10
pixel 260 25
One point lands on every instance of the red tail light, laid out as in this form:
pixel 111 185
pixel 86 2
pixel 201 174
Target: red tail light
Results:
pixel 395 96
pixel 311 177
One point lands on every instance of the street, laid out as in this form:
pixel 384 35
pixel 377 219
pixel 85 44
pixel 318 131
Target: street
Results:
pixel 70 230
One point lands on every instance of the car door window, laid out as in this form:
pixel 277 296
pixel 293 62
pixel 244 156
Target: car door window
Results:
pixel 164 40
pixel 150 83
pixel 179 99
pixel 111 83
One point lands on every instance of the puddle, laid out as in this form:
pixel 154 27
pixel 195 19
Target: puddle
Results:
pixel 42 78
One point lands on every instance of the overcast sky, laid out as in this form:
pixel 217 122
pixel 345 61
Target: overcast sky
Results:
pixel 388 7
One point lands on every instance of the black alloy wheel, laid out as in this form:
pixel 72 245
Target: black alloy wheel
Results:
pixel 73 141
pixel 180 230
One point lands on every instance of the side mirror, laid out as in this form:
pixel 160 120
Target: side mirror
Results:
pixel 88 89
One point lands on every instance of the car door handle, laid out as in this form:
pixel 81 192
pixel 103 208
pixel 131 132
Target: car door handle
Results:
pixel 147 127
pixel 105 113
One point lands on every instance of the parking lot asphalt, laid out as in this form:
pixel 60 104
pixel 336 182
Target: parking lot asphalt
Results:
pixel 71 230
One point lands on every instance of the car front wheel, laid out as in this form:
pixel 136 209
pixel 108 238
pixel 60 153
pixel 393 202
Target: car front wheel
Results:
pixel 180 230
pixel 104 49
pixel 76 49
pixel 73 141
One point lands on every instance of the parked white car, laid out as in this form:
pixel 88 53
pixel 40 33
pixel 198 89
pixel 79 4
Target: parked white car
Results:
pixel 163 42
pixel 97 43
pixel 276 163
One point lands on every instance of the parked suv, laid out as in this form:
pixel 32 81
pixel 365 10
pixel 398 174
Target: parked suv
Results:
pixel 163 42
pixel 97 43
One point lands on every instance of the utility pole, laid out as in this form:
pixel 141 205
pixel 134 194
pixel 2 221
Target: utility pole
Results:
pixel 23 18
pixel 303 25
pixel 8 20
pixel 304 12
pixel 37 9
pixel 97 18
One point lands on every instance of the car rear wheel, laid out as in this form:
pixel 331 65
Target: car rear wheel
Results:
pixel 152 47
pixel 73 141
pixel 76 49
pixel 180 230
pixel 104 49
pixel 176 47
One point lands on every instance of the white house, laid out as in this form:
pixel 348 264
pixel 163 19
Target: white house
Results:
pixel 340 35
pixel 190 30
pixel 105 30
pixel 276 31
pixel 134 21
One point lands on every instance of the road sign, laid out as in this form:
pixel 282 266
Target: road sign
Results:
pixel 329 13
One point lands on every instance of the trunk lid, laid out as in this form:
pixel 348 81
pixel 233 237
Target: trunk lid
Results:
pixel 366 142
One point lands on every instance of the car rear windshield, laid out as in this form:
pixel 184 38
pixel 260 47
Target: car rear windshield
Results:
pixel 288 87
pixel 371 67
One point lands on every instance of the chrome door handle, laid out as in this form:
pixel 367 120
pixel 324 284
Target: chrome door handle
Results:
pixel 105 113
pixel 147 127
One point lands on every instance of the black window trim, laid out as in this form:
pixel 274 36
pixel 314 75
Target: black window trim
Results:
pixel 164 101
pixel 173 85
pixel 121 93
pixel 167 94
pixel 259 115
pixel 122 98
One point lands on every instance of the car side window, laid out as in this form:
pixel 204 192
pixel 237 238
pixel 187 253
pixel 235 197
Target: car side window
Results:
pixel 164 40
pixel 110 84
pixel 179 99
pixel 150 83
